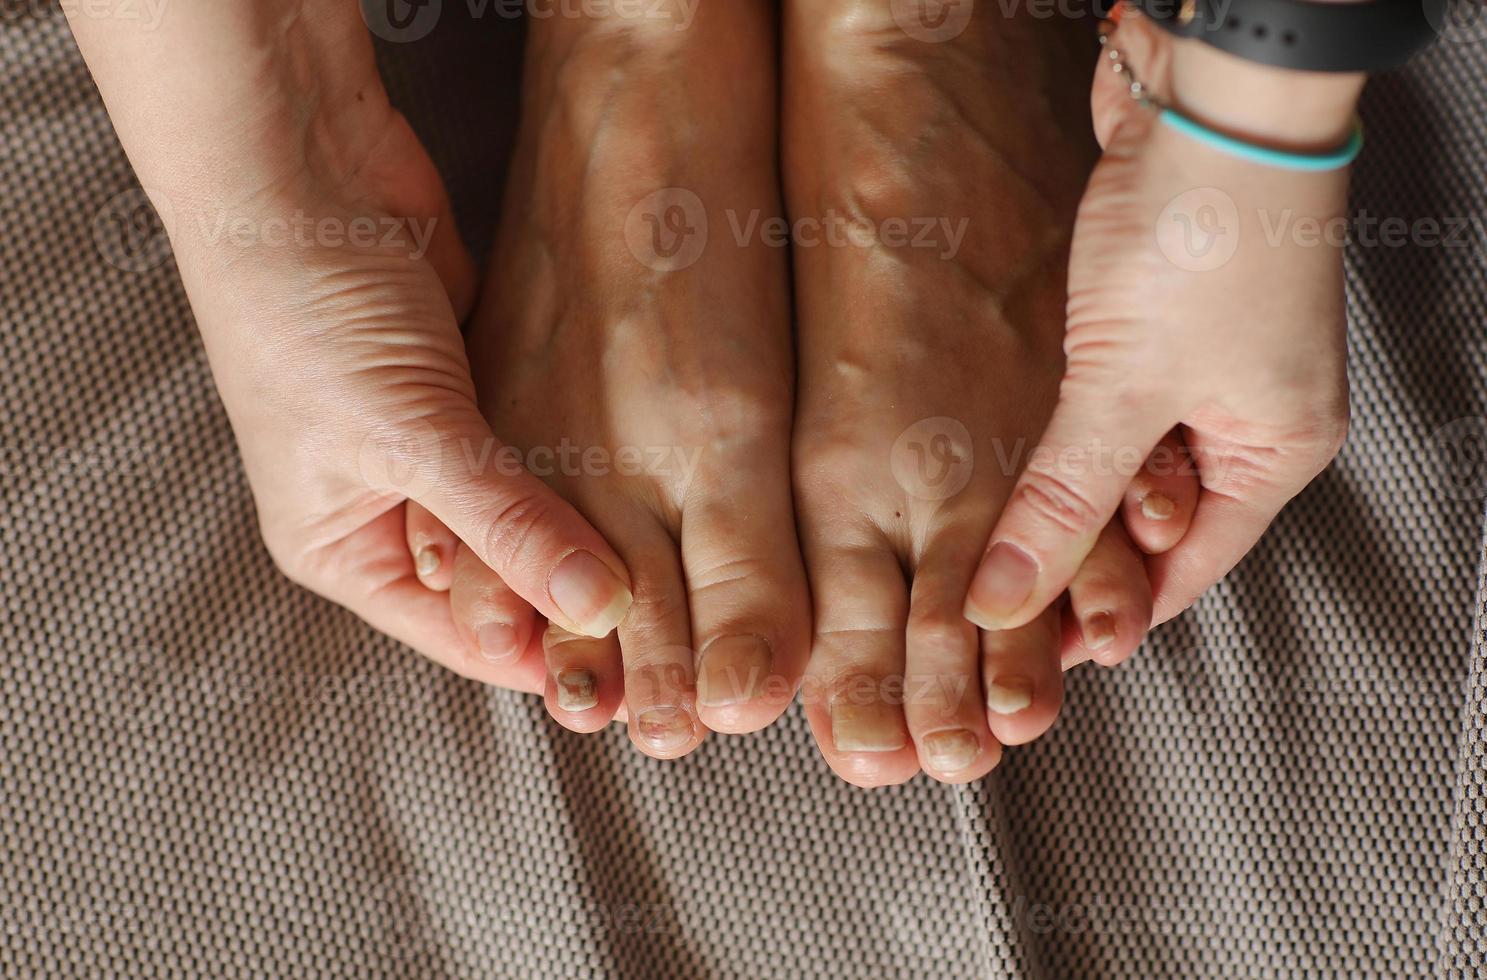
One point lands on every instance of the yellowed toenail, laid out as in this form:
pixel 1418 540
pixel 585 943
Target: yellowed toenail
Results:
pixel 664 728
pixel 733 670
pixel 867 727
pixel 951 751
pixel 427 561
pixel 1009 695
pixel 1157 507
pixel 576 690
pixel 1099 630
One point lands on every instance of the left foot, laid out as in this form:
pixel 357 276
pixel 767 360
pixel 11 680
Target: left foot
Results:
pixel 631 345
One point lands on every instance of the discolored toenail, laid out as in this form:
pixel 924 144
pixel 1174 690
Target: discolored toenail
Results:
pixel 867 728
pixel 733 670
pixel 1099 630
pixel 1157 506
pixel 498 641
pixel 1009 694
pixel 576 690
pixel 664 728
pixel 427 561
pixel 951 751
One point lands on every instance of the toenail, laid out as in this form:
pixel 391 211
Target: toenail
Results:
pixel 664 728
pixel 867 728
pixel 497 641
pixel 426 562
pixel 1009 695
pixel 1002 585
pixel 1099 630
pixel 588 593
pixel 733 670
pixel 1157 506
pixel 576 690
pixel 951 751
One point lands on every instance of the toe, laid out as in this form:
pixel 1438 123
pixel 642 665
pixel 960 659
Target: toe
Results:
pixel 943 703
pixel 1109 608
pixel 1159 505
pixel 432 546
pixel 656 646
pixel 585 685
pixel 749 604
pixel 1022 680
pixel 854 687
pixel 495 623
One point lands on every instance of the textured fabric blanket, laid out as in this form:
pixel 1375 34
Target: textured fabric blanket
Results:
pixel 205 771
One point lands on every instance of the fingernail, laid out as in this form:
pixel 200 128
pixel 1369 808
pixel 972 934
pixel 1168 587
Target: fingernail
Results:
pixel 576 690
pixel 951 751
pixel 867 728
pixel 1002 585
pixel 1157 506
pixel 426 562
pixel 664 728
pixel 588 593
pixel 732 670
pixel 497 641
pixel 1099 630
pixel 1009 695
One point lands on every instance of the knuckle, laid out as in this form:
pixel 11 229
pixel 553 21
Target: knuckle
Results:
pixel 1053 499
pixel 515 529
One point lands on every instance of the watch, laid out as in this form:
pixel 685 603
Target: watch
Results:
pixel 1307 36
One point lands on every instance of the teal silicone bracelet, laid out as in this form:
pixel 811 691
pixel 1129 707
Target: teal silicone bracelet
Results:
pixel 1310 162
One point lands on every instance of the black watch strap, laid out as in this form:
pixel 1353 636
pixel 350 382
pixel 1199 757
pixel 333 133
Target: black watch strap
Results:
pixel 1372 36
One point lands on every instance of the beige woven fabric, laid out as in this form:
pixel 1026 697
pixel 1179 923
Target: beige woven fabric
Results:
pixel 205 771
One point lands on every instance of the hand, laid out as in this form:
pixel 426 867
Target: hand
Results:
pixel 1196 303
pixel 322 261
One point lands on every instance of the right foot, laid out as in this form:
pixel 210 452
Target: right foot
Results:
pixel 927 372
pixel 646 358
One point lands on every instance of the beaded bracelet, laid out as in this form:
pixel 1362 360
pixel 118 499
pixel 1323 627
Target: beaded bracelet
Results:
pixel 1243 149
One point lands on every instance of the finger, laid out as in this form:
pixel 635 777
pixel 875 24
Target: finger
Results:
pixel 1159 503
pixel 656 647
pixel 1244 488
pixel 399 605
pixel 1022 678
pixel 750 607
pixel 432 546
pixel 538 544
pixel 853 694
pixel 1072 486
pixel 943 701
pixel 495 623
pixel 585 686
pixel 1109 602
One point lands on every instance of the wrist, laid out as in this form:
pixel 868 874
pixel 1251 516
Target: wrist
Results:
pixel 225 101
pixel 1294 110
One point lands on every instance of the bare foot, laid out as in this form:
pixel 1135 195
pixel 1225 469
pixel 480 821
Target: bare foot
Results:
pixel 637 350
pixel 930 356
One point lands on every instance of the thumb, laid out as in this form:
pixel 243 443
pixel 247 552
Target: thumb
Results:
pixel 539 544
pixel 1069 490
